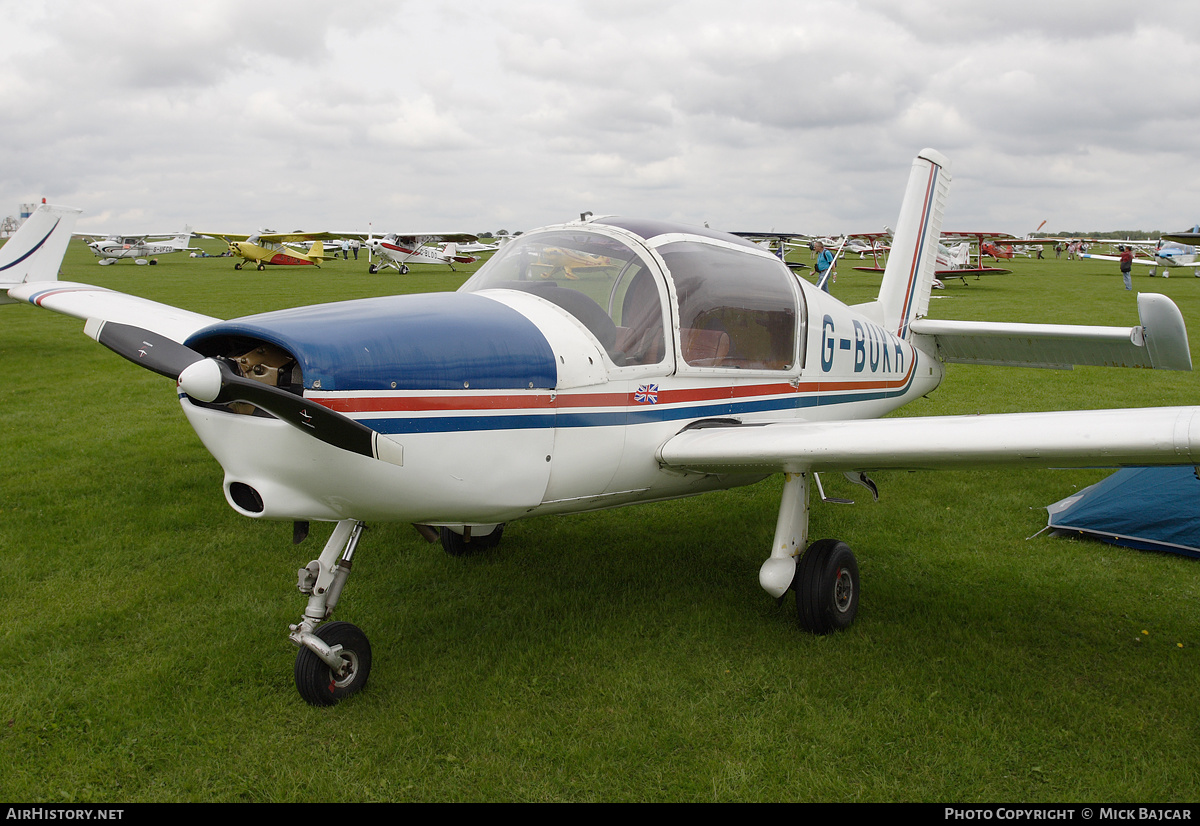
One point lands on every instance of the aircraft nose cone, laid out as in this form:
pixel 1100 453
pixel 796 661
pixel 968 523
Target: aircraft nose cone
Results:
pixel 201 380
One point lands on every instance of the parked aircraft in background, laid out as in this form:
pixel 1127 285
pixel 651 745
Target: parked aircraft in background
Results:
pixel 276 248
pixel 780 244
pixel 680 360
pixel 112 248
pixel 474 246
pixel 397 250
pixel 1190 237
pixel 1166 254
pixel 953 261
pixel 35 251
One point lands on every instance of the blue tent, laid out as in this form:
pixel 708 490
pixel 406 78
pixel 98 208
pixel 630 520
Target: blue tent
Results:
pixel 1150 508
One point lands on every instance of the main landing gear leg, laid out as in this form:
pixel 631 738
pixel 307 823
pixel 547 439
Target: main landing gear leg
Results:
pixel 825 579
pixel 335 659
pixel 791 532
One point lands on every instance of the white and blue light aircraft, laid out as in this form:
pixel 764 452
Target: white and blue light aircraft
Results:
pixel 680 360
pixel 1172 250
pixel 112 248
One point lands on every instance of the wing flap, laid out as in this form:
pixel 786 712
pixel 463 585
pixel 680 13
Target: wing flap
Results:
pixel 1074 438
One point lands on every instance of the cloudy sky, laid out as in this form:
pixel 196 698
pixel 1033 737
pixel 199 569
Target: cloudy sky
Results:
pixel 423 115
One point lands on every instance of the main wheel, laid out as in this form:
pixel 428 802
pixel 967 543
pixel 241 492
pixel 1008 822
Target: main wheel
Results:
pixel 315 680
pixel 456 544
pixel 404 269
pixel 827 587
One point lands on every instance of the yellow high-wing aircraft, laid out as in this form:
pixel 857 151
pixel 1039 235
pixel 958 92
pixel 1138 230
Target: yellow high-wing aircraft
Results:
pixel 262 248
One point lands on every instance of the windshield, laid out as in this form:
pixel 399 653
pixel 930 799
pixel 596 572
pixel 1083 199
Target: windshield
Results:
pixel 599 280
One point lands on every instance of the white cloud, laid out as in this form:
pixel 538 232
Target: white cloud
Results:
pixel 468 114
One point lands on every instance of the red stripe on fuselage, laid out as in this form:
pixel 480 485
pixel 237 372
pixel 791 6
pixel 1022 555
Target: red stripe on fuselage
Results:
pixel 567 401
pixel 283 258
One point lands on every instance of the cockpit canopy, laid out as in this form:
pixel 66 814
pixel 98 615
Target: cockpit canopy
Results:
pixel 734 306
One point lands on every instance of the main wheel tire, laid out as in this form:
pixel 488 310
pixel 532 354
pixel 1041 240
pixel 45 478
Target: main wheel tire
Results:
pixel 315 680
pixel 827 587
pixel 456 544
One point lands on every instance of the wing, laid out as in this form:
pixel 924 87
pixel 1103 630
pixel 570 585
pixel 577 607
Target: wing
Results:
pixel 432 237
pixel 1076 438
pixel 86 302
pixel 224 236
pixel 1145 262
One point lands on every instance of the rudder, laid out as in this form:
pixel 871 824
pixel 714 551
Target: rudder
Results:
pixel 912 262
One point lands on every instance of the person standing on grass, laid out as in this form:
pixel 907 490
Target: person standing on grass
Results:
pixel 1126 265
pixel 823 266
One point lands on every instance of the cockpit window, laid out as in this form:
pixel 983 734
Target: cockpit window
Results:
pixel 735 309
pixel 603 283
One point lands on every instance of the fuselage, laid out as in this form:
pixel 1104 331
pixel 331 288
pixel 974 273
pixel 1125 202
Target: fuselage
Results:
pixel 118 248
pixel 267 253
pixel 410 250
pixel 546 384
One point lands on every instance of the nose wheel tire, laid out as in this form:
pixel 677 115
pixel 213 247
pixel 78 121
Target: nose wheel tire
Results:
pixel 827 587
pixel 317 682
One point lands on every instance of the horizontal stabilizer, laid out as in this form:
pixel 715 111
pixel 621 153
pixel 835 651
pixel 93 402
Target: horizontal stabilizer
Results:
pixel 1160 342
pixel 1072 438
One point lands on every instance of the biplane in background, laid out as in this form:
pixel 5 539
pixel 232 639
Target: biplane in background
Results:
pixel 953 256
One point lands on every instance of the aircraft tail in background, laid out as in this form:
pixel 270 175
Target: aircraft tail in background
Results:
pixel 35 251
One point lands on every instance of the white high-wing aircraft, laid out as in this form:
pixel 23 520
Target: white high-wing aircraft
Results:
pixel 1167 253
pixel 398 251
pixel 112 248
pixel 680 360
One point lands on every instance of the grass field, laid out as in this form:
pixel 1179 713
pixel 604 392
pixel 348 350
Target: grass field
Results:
pixel 627 655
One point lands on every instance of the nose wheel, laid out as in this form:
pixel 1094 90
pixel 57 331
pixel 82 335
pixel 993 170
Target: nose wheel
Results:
pixel 323 684
pixel 335 657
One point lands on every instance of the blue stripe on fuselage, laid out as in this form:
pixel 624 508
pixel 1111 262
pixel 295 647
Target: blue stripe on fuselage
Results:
pixel 614 417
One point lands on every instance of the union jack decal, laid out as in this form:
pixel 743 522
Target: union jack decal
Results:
pixel 646 394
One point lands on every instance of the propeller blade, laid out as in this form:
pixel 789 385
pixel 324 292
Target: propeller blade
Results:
pixel 153 351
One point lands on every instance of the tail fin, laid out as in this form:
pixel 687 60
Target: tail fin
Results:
pixel 908 278
pixel 182 240
pixel 36 250
pixel 317 250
